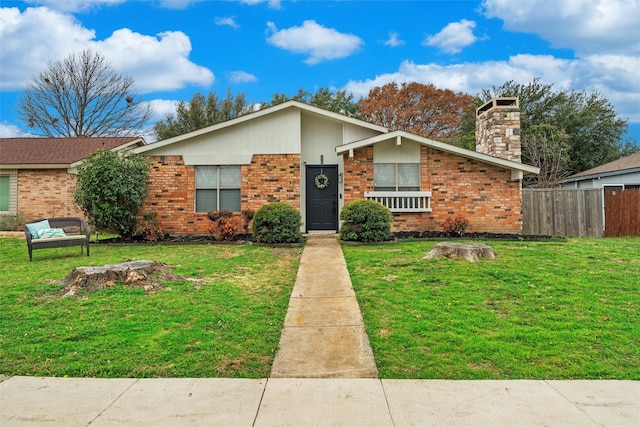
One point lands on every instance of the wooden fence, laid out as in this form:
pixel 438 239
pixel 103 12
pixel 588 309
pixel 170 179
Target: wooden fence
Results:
pixel 562 212
pixel 581 212
pixel 622 213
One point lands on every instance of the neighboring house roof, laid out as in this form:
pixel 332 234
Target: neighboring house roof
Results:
pixel 518 169
pixel 260 113
pixel 625 165
pixel 40 153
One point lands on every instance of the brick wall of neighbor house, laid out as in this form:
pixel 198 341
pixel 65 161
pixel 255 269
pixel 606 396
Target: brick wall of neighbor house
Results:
pixel 268 179
pixel 483 193
pixel 44 193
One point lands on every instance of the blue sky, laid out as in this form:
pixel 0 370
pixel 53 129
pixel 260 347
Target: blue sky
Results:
pixel 174 48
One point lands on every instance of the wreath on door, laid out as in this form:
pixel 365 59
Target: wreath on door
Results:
pixel 322 181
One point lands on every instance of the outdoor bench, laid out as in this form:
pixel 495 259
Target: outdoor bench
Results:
pixel 57 233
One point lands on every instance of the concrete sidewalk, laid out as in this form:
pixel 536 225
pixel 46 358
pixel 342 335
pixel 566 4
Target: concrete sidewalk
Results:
pixel 323 335
pixel 30 401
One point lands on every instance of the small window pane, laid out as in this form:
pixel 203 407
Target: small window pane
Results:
pixel 206 200
pixel 230 176
pixel 384 175
pixel 206 176
pixel 4 193
pixel 230 200
pixel 409 175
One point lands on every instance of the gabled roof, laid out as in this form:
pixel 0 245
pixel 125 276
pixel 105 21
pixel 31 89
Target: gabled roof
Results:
pixel 628 164
pixel 38 153
pixel 517 168
pixel 261 113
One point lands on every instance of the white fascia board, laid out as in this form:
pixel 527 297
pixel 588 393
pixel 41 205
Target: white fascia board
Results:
pixel 258 114
pixel 442 146
pixel 36 166
pixel 217 159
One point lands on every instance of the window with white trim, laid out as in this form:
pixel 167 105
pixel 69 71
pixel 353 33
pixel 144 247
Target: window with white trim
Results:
pixel 218 188
pixel 396 176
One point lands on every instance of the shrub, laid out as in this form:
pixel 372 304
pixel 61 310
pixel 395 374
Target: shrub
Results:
pixel 277 223
pixel 11 222
pixel 111 189
pixel 226 226
pixel 149 228
pixel 455 226
pixel 365 221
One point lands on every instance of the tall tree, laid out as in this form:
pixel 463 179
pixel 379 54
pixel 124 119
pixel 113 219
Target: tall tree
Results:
pixel 582 126
pixel 201 112
pixel 421 109
pixel 339 101
pixel 82 96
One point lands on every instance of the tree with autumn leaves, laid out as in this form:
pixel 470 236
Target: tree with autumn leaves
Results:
pixel 417 108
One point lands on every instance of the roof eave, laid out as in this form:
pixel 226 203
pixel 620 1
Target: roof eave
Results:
pixel 577 178
pixel 496 161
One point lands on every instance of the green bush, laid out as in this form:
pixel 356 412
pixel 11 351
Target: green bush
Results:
pixel 277 223
pixel 111 189
pixel 365 221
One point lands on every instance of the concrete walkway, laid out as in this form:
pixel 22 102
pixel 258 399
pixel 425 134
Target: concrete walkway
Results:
pixel 323 338
pixel 323 335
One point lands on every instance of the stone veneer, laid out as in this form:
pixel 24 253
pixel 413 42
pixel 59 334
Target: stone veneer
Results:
pixel 485 194
pixel 269 178
pixel 498 129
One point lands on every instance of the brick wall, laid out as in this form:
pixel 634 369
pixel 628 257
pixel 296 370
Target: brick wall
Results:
pixel 44 193
pixel 268 179
pixel 483 193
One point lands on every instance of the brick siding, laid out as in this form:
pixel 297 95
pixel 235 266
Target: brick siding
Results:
pixel 44 193
pixel 485 194
pixel 268 179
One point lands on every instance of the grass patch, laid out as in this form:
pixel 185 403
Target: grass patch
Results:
pixel 540 311
pixel 225 325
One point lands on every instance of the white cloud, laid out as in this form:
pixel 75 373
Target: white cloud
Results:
pixel 155 62
pixel 229 21
pixel 586 26
pixel 394 40
pixel 33 38
pixel 621 88
pixel 274 4
pixel 160 108
pixel 452 38
pixel 241 77
pixel 177 4
pixel 8 130
pixel 320 43
pixel 74 5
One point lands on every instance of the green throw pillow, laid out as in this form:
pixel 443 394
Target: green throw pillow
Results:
pixel 35 226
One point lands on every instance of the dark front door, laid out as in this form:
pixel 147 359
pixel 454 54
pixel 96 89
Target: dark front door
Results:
pixel 322 197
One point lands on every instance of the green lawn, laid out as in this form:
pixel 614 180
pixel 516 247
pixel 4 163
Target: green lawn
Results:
pixel 228 325
pixel 541 311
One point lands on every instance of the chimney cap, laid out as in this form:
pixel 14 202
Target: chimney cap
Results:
pixel 498 102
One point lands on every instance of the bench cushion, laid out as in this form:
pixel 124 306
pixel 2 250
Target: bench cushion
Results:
pixel 49 233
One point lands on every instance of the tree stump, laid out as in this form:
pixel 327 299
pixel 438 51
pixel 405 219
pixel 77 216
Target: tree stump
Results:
pixel 467 251
pixel 145 274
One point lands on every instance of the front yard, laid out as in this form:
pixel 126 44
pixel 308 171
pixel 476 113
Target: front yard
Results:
pixel 540 311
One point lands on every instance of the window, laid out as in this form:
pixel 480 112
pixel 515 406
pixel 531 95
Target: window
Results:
pixel 218 188
pixel 396 176
pixel 4 193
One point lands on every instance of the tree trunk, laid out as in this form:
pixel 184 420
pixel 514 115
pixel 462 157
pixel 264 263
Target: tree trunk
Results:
pixel 144 274
pixel 468 251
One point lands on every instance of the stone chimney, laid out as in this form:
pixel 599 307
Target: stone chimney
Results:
pixel 498 129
